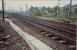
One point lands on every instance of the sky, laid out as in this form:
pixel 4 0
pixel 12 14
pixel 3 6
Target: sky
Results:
pixel 17 4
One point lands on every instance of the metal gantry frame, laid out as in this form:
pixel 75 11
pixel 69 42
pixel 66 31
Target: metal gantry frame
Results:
pixel 3 9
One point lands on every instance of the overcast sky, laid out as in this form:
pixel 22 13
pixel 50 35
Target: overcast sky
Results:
pixel 16 4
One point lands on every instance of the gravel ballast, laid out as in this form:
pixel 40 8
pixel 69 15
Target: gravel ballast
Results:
pixel 10 39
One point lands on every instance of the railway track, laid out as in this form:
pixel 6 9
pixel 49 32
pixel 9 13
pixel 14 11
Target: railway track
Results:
pixel 62 27
pixel 69 27
pixel 49 29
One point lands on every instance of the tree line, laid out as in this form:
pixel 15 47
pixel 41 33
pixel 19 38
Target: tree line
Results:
pixel 52 12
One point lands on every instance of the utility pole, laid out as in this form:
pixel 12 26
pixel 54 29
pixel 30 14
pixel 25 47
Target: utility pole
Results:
pixel 20 10
pixel 58 8
pixel 70 6
pixel 3 9
pixel 26 9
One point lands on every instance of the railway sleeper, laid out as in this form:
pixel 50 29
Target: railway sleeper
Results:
pixel 5 38
pixel 62 41
pixel 33 27
pixel 2 31
pixel 1 35
pixel 66 42
pixel 8 36
pixel 44 33
pixel 40 30
pixel 28 26
pixel 54 37
pixel 1 42
pixel 58 39
pixel 49 35
pixel 5 44
pixel 72 46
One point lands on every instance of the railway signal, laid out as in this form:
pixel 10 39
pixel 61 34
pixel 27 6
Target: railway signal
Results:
pixel 3 9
